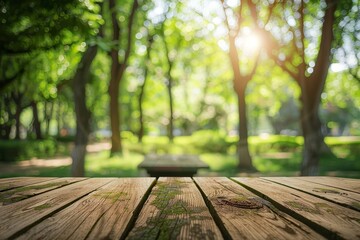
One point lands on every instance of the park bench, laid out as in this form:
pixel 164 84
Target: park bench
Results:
pixel 180 208
pixel 170 165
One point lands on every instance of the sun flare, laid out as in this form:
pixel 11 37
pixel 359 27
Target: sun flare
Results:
pixel 249 41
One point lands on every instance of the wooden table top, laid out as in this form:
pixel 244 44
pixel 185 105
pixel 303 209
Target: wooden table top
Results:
pixel 170 165
pixel 169 160
pixel 180 208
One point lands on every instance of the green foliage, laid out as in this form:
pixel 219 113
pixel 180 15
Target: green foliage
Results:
pixel 31 25
pixel 268 159
pixel 26 149
pixel 65 139
pixel 210 141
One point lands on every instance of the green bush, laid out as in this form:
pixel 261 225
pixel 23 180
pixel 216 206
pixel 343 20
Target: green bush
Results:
pixel 65 139
pixel 15 150
pixel 210 141
pixel 285 146
pixel 274 143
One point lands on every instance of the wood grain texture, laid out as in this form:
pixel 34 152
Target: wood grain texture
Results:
pixel 112 224
pixel 241 222
pixel 18 216
pixel 343 197
pixel 175 209
pixel 341 183
pixel 105 212
pixel 330 219
pixel 10 183
pixel 21 193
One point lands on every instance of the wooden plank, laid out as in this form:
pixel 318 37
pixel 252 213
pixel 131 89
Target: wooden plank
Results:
pixel 330 219
pixel 10 183
pixel 341 183
pixel 105 212
pixel 246 216
pixel 175 209
pixel 113 223
pixel 19 216
pixel 21 193
pixel 343 197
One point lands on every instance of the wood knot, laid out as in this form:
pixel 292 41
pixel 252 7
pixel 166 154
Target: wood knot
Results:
pixel 243 202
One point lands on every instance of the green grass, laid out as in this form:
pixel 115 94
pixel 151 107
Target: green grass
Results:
pixel 272 155
pixel 101 165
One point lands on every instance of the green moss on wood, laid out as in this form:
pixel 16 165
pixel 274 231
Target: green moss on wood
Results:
pixel 18 194
pixel 42 206
pixel 113 196
pixel 326 207
pixel 355 205
pixel 302 207
pixel 173 214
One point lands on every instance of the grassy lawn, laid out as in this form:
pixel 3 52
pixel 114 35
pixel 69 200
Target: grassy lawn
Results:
pixel 272 156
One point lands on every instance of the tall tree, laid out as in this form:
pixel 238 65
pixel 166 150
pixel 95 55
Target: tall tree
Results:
pixel 82 113
pixel 240 80
pixel 150 39
pixel 118 68
pixel 309 75
pixel 169 82
pixel 36 121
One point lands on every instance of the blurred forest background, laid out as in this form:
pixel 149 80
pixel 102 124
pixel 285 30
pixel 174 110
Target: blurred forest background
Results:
pixel 88 87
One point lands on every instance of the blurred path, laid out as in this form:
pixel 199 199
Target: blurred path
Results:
pixel 35 163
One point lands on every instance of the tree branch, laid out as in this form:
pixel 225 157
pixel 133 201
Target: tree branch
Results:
pixel 129 30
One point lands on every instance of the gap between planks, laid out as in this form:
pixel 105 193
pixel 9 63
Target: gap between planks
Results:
pixel 246 216
pixel 105 213
pixel 342 197
pixel 16 182
pixel 32 213
pixel 175 209
pixel 325 217
pixel 347 184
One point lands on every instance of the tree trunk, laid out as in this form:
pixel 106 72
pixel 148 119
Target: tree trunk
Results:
pixel 17 117
pixel 36 122
pixel 117 71
pixel 116 145
pixel 6 127
pixel 48 117
pixel 142 88
pixel 311 89
pixel 82 113
pixel 171 106
pixel 245 161
pixel 141 117
pixel 240 83
pixel 58 117
pixel 313 140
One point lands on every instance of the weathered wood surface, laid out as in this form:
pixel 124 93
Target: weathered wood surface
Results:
pixel 175 209
pixel 179 208
pixel 341 183
pixel 103 214
pixel 340 196
pixel 245 215
pixel 17 217
pixel 326 217
pixel 21 193
pixel 10 183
